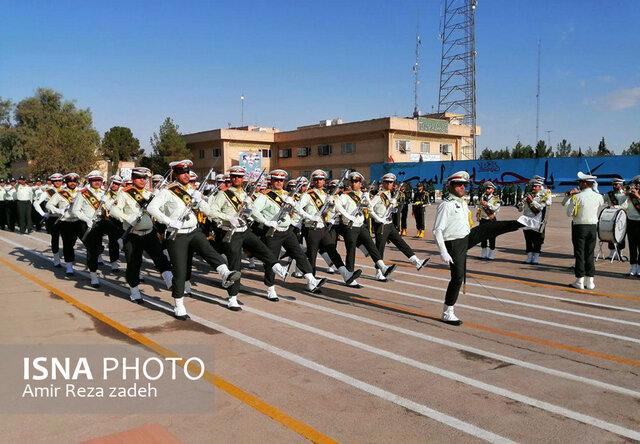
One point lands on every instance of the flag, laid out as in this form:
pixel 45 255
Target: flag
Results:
pixel 391 159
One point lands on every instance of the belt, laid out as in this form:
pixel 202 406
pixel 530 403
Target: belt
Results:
pixel 187 230
pixel 142 232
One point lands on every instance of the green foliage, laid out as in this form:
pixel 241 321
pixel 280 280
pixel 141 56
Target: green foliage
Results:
pixel 603 150
pixel 488 154
pixel 168 145
pixel 54 135
pixel 10 148
pixel 563 149
pixel 634 149
pixel 522 152
pixel 119 144
pixel 542 150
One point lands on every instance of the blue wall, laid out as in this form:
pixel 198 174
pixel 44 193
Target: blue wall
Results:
pixel 560 172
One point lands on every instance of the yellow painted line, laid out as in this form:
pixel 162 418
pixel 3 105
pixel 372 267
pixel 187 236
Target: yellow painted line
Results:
pixel 518 281
pixel 582 351
pixel 261 406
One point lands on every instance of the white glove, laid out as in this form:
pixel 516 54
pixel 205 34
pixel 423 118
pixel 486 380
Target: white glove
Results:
pixel 196 196
pixel 394 201
pixel 446 258
pixel 234 221
pixel 132 220
pixel 107 204
pixel 289 200
pixel 247 201
pixel 46 215
pixel 271 224
pixel 317 218
pixel 176 224
pixel 330 200
pixel 298 225
pixel 348 218
pixel 89 224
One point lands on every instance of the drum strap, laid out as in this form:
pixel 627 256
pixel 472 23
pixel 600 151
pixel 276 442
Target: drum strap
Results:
pixel 612 198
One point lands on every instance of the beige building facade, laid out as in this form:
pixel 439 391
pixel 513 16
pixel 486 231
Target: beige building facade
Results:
pixel 334 146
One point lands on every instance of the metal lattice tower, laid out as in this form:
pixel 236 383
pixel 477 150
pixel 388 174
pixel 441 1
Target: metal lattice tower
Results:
pixel 458 67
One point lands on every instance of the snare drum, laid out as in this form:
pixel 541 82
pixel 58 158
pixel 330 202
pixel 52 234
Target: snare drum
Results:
pixel 612 225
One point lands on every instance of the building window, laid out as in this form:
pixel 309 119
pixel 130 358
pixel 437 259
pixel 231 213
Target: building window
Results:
pixel 306 174
pixel 324 150
pixel 201 154
pixel 424 147
pixel 304 151
pixel 329 174
pixel 285 153
pixel 266 154
pixel 216 152
pixel 404 146
pixel 348 148
pixel 445 148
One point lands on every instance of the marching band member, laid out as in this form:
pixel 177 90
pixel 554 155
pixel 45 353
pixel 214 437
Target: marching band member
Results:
pixel 384 229
pixel 533 205
pixel 24 197
pixel 51 219
pixel 582 206
pixel 454 236
pixel 265 209
pixel 70 227
pixel 84 208
pixel 111 226
pixel 227 208
pixel 632 207
pixel 488 207
pixel 317 233
pixel 420 201
pixel 615 199
pixel 172 207
pixel 128 209
pixel 350 206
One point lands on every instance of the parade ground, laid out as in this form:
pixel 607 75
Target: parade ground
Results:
pixel 535 360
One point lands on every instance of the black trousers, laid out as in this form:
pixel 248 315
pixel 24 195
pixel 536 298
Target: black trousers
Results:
pixel 403 218
pixel 36 219
pixel 289 241
pixel 584 239
pixel 23 208
pixel 3 214
pixel 457 249
pixel 181 249
pixel 633 235
pixel 321 239
pixel 54 230
pixel 11 215
pixel 492 240
pixel 133 247
pixel 353 238
pixel 389 233
pixel 249 241
pixel 70 232
pixel 533 241
pixel 114 231
pixel 418 213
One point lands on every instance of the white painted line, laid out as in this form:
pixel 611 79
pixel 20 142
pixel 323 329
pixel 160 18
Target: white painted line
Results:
pixel 509 290
pixel 499 313
pixel 319 368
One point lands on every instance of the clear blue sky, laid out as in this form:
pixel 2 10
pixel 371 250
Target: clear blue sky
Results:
pixel 133 63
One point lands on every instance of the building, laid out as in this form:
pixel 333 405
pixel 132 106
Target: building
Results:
pixel 333 145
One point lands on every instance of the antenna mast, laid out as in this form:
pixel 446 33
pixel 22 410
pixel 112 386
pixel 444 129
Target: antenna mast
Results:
pixel 458 68
pixel 538 98
pixel 416 70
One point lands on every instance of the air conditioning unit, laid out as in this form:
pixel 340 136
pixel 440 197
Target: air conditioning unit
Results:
pixel 325 123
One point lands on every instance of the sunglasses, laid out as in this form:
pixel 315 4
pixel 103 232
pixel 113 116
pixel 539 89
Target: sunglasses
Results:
pixel 278 180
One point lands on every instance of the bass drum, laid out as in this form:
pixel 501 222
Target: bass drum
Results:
pixel 612 225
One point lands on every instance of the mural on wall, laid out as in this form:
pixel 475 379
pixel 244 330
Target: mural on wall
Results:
pixel 252 163
pixel 559 173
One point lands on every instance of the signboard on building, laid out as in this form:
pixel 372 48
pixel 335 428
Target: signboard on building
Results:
pixel 415 157
pixel 433 125
pixel 251 162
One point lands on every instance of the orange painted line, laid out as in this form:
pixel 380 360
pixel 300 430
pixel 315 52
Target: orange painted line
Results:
pixel 273 412
pixel 518 281
pixel 579 350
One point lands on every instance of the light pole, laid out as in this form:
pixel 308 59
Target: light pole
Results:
pixel 549 138
pixel 242 111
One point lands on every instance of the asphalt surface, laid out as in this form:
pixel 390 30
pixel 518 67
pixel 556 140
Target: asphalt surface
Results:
pixel 534 361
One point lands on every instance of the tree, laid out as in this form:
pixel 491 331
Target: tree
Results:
pixel 542 150
pixel 55 135
pixel 603 150
pixel 634 149
pixel 168 145
pixel 10 148
pixel 522 152
pixel 563 149
pixel 119 144
pixel 486 154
